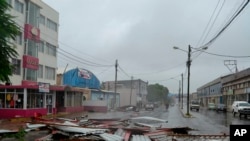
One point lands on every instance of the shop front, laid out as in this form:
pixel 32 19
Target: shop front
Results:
pixel 45 99
pixel 25 101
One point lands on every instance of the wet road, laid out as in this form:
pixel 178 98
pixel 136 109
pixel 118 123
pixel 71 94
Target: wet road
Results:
pixel 204 122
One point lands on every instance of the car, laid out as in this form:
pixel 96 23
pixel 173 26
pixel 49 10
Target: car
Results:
pixel 241 108
pixel 149 106
pixel 211 106
pixel 221 107
pixel 195 105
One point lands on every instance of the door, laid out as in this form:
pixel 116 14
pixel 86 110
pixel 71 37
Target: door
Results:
pixel 49 103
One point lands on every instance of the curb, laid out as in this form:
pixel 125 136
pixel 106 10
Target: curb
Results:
pixel 185 115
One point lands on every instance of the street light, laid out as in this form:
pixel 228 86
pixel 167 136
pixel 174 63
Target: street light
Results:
pixel 188 65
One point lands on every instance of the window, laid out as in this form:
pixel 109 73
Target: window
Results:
pixel 50 73
pixel 41 46
pixel 17 66
pixel 42 19
pixel 34 100
pixel 11 100
pixel 40 71
pixel 34 14
pixel 51 25
pixel 31 75
pixel 19 39
pixel 50 49
pixel 18 6
pixel 32 48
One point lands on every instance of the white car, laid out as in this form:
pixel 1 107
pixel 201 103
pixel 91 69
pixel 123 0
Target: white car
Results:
pixel 241 107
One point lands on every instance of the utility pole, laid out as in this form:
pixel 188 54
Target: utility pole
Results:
pixel 116 65
pixel 182 91
pixel 179 91
pixel 188 65
pixel 131 89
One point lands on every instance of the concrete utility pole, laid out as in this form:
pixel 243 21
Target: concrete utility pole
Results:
pixel 116 65
pixel 188 65
pixel 131 90
pixel 179 91
pixel 182 91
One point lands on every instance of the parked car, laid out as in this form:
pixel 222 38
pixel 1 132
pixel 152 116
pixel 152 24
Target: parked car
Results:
pixel 211 106
pixel 221 107
pixel 241 107
pixel 195 105
pixel 149 106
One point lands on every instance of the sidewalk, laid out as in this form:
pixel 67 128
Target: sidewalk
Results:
pixel 183 110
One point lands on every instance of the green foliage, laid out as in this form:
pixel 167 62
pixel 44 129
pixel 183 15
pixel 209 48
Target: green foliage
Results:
pixel 19 135
pixel 157 92
pixel 8 30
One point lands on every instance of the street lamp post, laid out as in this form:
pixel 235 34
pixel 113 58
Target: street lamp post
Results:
pixel 188 66
pixel 182 91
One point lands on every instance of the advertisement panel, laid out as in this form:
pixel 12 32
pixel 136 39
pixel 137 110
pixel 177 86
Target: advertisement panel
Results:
pixel 30 62
pixel 43 87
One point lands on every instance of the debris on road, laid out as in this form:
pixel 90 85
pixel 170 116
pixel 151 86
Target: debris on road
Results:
pixel 131 129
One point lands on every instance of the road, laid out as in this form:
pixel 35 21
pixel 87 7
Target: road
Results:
pixel 204 122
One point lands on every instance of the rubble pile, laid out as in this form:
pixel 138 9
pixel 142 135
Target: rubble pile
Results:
pixel 131 129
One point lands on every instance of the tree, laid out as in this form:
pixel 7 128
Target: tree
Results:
pixel 157 92
pixel 8 30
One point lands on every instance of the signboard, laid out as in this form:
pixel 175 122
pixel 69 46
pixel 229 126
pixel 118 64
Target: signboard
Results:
pixel 43 87
pixel 31 32
pixel 84 74
pixel 30 62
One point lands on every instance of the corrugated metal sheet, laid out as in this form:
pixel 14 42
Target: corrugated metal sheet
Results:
pixel 111 137
pixel 140 138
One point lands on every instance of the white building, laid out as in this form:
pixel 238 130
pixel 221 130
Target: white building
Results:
pixel 37 43
pixel 37 46
pixel 132 92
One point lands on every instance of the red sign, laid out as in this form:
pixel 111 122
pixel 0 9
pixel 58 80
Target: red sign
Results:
pixel 29 83
pixel 31 32
pixel 30 62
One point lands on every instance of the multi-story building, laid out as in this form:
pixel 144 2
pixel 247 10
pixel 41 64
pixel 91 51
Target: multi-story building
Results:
pixel 236 87
pixel 132 92
pixel 30 85
pixel 226 89
pixel 210 93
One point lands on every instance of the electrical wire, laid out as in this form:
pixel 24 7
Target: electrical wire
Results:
pixel 226 26
pixel 237 12
pixel 229 56
pixel 210 20
pixel 86 63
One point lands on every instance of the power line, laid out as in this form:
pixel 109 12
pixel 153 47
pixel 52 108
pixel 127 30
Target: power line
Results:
pixel 226 26
pixel 237 12
pixel 230 56
pixel 209 30
pixel 87 62
pixel 210 20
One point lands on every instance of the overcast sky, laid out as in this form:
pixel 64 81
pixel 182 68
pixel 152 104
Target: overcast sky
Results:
pixel 141 35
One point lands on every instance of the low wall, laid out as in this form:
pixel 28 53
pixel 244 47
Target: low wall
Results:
pixel 12 113
pixel 95 106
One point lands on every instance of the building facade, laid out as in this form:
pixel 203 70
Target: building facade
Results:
pixel 31 86
pixel 236 87
pixel 97 100
pixel 132 92
pixel 226 89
